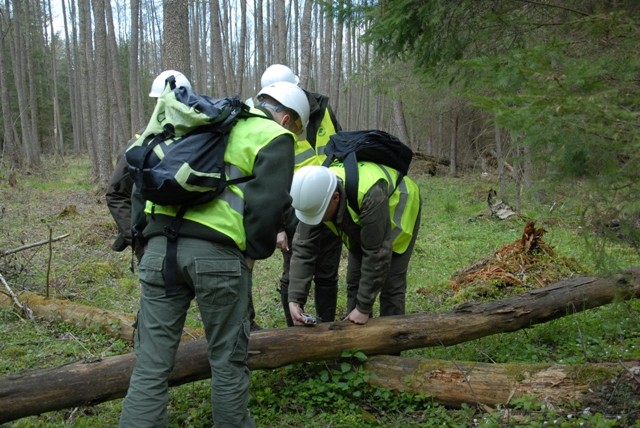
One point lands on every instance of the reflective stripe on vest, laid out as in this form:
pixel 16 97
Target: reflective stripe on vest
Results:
pixel 307 155
pixel 225 214
pixel 404 202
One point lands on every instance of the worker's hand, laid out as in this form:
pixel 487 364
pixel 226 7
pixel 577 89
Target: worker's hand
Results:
pixel 282 242
pixel 357 317
pixel 296 313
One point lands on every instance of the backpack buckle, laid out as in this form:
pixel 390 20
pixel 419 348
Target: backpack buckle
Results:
pixel 170 233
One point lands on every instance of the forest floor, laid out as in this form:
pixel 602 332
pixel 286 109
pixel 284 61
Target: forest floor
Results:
pixel 463 254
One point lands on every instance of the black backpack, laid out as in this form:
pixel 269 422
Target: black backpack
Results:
pixel 179 158
pixel 350 147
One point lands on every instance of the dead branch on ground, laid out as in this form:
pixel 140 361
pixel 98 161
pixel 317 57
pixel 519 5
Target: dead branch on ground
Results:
pixel 33 245
pixel 15 300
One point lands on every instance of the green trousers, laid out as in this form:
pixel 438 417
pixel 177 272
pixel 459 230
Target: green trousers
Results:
pixel 219 279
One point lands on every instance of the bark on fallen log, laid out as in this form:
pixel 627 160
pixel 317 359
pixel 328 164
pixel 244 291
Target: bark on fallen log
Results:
pixel 82 383
pixel 454 383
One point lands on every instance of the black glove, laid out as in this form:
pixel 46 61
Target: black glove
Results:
pixel 120 243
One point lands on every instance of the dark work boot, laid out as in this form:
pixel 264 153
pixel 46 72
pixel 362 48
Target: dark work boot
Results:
pixel 326 296
pixel 284 298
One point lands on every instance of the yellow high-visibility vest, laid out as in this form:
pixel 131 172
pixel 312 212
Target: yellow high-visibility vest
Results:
pixel 305 153
pixel 404 202
pixel 225 213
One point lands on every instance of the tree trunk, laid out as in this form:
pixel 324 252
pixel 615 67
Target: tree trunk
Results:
pixel 242 47
pixel 217 52
pixel 101 140
pixel 325 83
pixel 58 140
pixel 118 105
pixel 401 124
pixel 279 31
pixel 73 75
pixel 10 152
pixel 228 49
pixel 261 65
pixel 440 140
pixel 305 43
pixel 30 40
pixel 454 383
pixel 336 78
pixel 175 49
pixel 137 115
pixel 453 146
pixel 294 36
pixel 348 100
pixel 502 179
pixel 152 48
pixel 82 383
pixel 84 55
pixel 194 41
pixel 201 60
pixel 518 165
pixel 18 52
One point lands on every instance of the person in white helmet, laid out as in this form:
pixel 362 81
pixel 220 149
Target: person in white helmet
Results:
pixel 119 193
pixel 310 151
pixel 217 244
pixel 287 104
pixel 380 238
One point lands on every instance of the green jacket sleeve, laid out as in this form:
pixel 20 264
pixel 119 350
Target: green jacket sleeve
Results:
pixel 375 245
pixel 118 198
pixel 303 261
pixel 267 196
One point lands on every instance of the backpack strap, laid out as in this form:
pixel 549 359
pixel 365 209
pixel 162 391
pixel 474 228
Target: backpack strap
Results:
pixel 350 177
pixel 351 180
pixel 398 179
pixel 171 265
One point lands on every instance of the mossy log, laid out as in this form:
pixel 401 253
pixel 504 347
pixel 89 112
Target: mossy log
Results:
pixel 91 382
pixel 112 323
pixel 454 383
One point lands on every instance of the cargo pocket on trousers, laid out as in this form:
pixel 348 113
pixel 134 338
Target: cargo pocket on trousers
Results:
pixel 151 268
pixel 218 280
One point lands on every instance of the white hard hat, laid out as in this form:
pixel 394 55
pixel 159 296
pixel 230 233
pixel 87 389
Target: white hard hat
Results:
pixel 278 73
pixel 311 191
pixel 290 96
pixel 159 82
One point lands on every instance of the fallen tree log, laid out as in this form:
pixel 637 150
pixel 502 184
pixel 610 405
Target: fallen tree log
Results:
pixel 91 382
pixel 453 383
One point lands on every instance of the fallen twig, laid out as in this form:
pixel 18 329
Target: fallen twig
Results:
pixel 35 244
pixel 13 296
